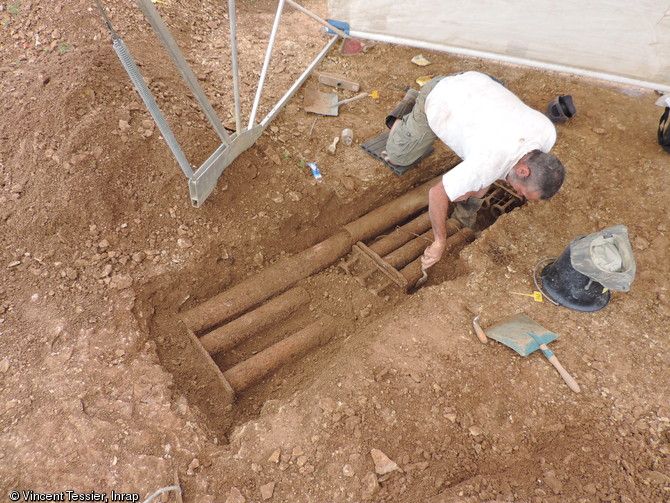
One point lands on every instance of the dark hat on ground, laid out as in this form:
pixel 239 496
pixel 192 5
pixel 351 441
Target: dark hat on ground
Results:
pixel 561 108
pixel 582 277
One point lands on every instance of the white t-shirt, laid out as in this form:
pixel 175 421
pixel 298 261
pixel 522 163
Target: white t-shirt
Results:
pixel 487 126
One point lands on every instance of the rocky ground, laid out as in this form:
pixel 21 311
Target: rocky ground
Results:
pixel 101 250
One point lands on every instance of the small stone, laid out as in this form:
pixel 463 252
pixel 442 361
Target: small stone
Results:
pixel 267 490
pixel 297 451
pixel 4 365
pixel 475 431
pixel 106 271
pixel 348 471
pixel 235 496
pixel 640 243
pixel 181 406
pixel 590 488
pixel 274 457
pixel 327 405
pixel 370 486
pixel 103 244
pixel 598 130
pixel 121 281
pixel 552 481
pixel 349 183
pixel 654 477
pixel 138 257
pixel 71 273
pixel 184 243
pixel 259 259
pixel 383 464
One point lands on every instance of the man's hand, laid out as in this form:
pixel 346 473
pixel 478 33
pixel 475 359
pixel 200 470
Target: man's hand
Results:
pixel 433 254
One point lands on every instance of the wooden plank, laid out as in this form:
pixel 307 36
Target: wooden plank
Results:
pixel 211 367
pixel 338 81
pixel 389 271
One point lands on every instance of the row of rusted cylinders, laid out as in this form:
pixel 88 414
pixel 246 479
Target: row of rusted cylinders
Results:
pixel 398 254
pixel 270 296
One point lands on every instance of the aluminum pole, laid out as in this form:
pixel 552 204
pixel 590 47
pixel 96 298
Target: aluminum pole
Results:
pixel 266 63
pixel 187 74
pixel 234 59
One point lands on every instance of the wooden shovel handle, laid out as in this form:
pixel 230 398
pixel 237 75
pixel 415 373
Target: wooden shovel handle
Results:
pixel 318 19
pixel 480 333
pixel 572 384
pixel 349 100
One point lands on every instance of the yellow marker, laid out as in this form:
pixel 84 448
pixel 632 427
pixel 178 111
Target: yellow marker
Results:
pixel 424 80
pixel 374 94
pixel 159 1
pixel 420 60
pixel 537 296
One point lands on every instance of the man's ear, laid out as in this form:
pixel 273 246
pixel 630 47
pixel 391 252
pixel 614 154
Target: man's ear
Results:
pixel 522 170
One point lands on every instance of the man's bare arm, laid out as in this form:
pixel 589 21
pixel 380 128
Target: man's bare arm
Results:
pixel 438 209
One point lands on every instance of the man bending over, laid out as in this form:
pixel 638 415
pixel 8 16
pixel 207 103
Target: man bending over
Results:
pixel 494 132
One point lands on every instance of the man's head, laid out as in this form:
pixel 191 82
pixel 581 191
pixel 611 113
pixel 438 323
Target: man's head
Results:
pixel 537 176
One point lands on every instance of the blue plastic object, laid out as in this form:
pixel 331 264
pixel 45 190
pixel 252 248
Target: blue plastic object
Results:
pixel 340 25
pixel 315 170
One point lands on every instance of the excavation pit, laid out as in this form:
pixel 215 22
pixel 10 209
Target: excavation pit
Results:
pixel 255 340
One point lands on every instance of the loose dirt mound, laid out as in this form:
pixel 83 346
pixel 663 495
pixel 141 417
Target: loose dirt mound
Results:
pixel 101 249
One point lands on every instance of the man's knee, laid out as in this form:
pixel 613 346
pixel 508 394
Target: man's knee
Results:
pixel 466 211
pixel 401 147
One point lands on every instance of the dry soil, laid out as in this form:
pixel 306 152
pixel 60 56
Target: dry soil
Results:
pixel 101 250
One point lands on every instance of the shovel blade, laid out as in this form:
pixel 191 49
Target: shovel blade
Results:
pixel 513 332
pixel 320 103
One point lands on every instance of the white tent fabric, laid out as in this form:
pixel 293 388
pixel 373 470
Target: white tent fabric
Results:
pixel 619 40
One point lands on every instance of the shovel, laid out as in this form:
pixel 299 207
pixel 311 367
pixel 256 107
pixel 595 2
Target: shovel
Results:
pixel 320 103
pixel 524 336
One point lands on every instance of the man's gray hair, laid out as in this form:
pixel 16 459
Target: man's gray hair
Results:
pixel 546 173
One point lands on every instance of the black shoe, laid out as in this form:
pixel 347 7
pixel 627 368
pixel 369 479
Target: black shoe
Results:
pixel 402 108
